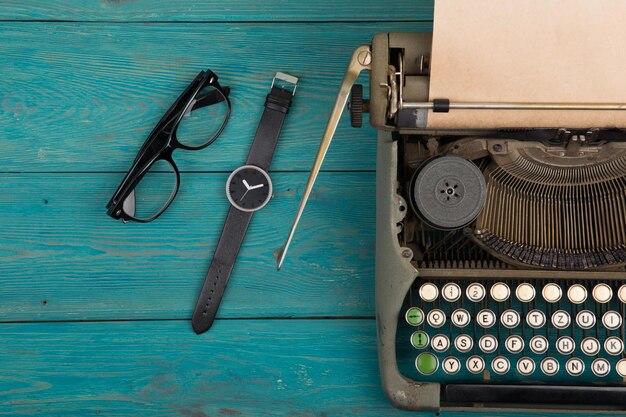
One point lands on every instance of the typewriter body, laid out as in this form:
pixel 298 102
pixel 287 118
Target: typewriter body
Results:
pixel 500 253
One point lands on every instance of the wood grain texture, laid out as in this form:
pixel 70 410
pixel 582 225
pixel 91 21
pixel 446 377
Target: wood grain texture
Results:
pixel 217 11
pixel 63 258
pixel 83 97
pixel 296 368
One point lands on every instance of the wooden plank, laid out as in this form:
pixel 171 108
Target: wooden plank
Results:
pixel 303 368
pixel 83 97
pixel 218 11
pixel 64 258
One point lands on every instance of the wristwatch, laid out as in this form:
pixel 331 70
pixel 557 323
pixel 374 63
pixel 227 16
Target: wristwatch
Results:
pixel 248 188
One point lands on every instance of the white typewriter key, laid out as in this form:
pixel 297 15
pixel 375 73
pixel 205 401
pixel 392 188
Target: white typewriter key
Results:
pixel 460 317
pixel 612 320
pixel 475 364
pixel 577 294
pixel 428 292
pixel 549 366
pixel 436 318
pixel 514 344
pixel 475 292
pixel 614 346
pixel 551 293
pixel 561 319
pixel 500 365
pixel 500 292
pixel 510 319
pixel 451 292
pixel 585 319
pixel 451 365
pixel 600 367
pixel 621 293
pixel 538 344
pixel 590 346
pixel 525 292
pixel 463 343
pixel 536 319
pixel 565 345
pixel 620 367
pixel 525 366
pixel 486 318
pixel 488 343
pixel 602 293
pixel 575 366
pixel 440 343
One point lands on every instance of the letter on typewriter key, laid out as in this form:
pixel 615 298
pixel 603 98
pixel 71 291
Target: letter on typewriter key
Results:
pixel 538 344
pixel 525 366
pixel 590 346
pixel 565 345
pixel 612 320
pixel 510 319
pixel 514 344
pixel 475 364
pixel 463 343
pixel 600 367
pixel 488 343
pixel 451 365
pixel 486 318
pixel 575 366
pixel 585 319
pixel 536 319
pixel 561 319
pixel 440 343
pixel 436 318
pixel 549 366
pixel 500 365
pixel 614 346
pixel 460 317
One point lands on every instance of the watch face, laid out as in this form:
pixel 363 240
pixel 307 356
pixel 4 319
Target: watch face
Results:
pixel 249 188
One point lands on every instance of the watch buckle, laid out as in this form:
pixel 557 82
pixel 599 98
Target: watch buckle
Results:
pixel 287 80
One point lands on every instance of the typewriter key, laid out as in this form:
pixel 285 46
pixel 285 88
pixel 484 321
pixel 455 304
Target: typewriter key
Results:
pixel 514 344
pixel 538 344
pixel 461 317
pixel 614 346
pixel 612 320
pixel 525 292
pixel 621 293
pixel 500 365
pixel 600 367
pixel 590 346
pixel 620 367
pixel 426 363
pixel 440 343
pixel 475 364
pixel 428 292
pixel 475 292
pixel 463 343
pixel 436 318
pixel 602 293
pixel 549 366
pixel 500 292
pixel 486 318
pixel 419 339
pixel 577 294
pixel 414 316
pixel 536 319
pixel 488 343
pixel 575 366
pixel 551 293
pixel 585 319
pixel 451 365
pixel 565 345
pixel 510 319
pixel 451 292
pixel 561 319
pixel 525 366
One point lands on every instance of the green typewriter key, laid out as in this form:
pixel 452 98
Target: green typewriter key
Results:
pixel 426 363
pixel 414 316
pixel 419 339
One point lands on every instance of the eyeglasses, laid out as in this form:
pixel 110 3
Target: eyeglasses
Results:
pixel 193 122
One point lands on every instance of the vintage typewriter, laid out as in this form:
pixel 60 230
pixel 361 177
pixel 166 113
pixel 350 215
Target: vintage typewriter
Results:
pixel 500 253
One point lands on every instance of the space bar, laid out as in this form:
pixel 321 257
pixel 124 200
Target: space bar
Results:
pixel 535 394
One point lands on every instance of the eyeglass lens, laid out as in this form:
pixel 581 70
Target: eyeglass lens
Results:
pixel 204 124
pixel 153 193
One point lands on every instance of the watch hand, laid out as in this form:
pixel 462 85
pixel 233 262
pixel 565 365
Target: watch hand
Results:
pixel 246 184
pixel 244 194
pixel 257 186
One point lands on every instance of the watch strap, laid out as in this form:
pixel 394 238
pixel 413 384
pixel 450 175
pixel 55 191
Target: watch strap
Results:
pixel 234 231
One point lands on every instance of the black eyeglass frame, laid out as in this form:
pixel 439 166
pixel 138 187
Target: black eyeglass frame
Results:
pixel 162 142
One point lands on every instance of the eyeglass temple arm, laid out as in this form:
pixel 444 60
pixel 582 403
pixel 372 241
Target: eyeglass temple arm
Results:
pixel 361 60
pixel 211 98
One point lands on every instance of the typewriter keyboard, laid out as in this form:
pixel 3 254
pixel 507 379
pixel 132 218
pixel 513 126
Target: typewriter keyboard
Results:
pixel 534 330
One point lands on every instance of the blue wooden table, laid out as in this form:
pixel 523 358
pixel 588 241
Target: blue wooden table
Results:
pixel 95 313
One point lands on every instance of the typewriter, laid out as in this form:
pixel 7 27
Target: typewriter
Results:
pixel 500 253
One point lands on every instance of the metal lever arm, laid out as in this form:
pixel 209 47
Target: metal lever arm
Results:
pixel 361 60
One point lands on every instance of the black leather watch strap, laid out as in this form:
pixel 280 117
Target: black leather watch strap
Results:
pixel 261 152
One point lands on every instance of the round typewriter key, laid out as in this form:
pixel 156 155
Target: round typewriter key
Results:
pixel 488 343
pixel 428 292
pixel 549 366
pixel 536 319
pixel 451 292
pixel 500 292
pixel 419 339
pixel 525 292
pixel 510 319
pixel 451 365
pixel 414 316
pixel 551 293
pixel 614 346
pixel 514 344
pixel 463 343
pixel 600 367
pixel 538 344
pixel 561 319
pixel 585 319
pixel 565 345
pixel 620 367
pixel 426 363
pixel 577 294
pixel 486 318
pixel 612 320
pixel 602 293
pixel 590 346
pixel 475 292
pixel 475 364
pixel 575 366
pixel 500 365
pixel 440 343
pixel 436 318
pixel 621 293
pixel 461 317
pixel 525 366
